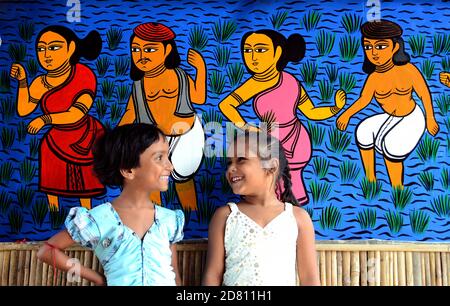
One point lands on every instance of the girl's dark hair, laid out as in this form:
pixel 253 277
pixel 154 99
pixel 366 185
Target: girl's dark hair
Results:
pixel 172 60
pixel 88 48
pixel 120 148
pixel 384 29
pixel 293 48
pixel 268 147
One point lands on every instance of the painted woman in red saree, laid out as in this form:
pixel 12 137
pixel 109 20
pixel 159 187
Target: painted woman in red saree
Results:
pixel 65 93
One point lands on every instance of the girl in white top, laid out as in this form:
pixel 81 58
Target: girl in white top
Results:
pixel 261 240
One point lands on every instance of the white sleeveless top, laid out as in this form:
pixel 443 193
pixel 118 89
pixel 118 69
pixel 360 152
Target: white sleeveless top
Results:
pixel 256 256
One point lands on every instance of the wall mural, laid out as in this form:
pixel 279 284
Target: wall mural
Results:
pixel 358 93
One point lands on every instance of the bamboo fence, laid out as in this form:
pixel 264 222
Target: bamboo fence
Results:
pixel 340 263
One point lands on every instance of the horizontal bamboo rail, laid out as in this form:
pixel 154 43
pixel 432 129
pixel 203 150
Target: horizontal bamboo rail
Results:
pixel 341 263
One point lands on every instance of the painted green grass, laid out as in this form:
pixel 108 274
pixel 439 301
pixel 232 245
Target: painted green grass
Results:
pixel 108 89
pixel 5 82
pixel 349 171
pixel 371 190
pixel 325 42
pixel 235 73
pixel 443 103
pixel 441 206
pixel 447 123
pixel 330 218
pixel 445 178
pixel 348 48
pixel 320 191
pixel 39 211
pixel 222 55
pixel 317 134
pixel 32 67
pixel 123 92
pixel 268 121
pixel 210 162
pixel 216 82
pixel 7 108
pixel 332 72
pixel 17 52
pixel 225 186
pixel 441 44
pixel 401 197
pixel 394 221
pixel 8 135
pixel 198 38
pixel 426 179
pixel 212 115
pixel 27 171
pixel 310 20
pixel 278 19
pixel 351 22
pixel 102 64
pixel 427 68
pixel 428 148
pixel 223 30
pixel 338 141
pixel 205 211
pixel 419 221
pixel 6 172
pixel 113 38
pixel 207 184
pixel 310 211
pixel 101 108
pixel 5 201
pixel 26 31
pixel 326 90
pixel 34 147
pixel 367 218
pixel 308 71
pixel 21 131
pixel 321 166
pixel 116 112
pixel 417 44
pixel 57 217
pixel 25 196
pixel 347 81
pixel 15 218
pixel 445 64
pixel 448 146
pixel 121 65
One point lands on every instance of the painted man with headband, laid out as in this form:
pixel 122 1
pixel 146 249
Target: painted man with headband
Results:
pixel 163 94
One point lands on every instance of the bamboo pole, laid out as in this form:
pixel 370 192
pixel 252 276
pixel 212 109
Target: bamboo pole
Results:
pixel 410 281
pixel 197 271
pixel 391 268
pixel 445 272
pixel 38 276
pixel 44 278
pixel 426 259
pixel 395 271
pixel 186 279
pixel 438 269
pixel 13 267
pixel 20 266
pixel 334 269
pixel 371 268
pixel 432 261
pixel 377 268
pixel 401 269
pixel 363 267
pixel 26 268
pixel 323 273
pixel 423 269
pixel 384 268
pixel 417 269
pixel 346 263
pixel 355 270
pixel 33 265
pixel 5 269
pixel 328 267
pixel 339 267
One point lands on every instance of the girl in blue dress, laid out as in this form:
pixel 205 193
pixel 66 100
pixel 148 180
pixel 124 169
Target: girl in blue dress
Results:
pixel 133 238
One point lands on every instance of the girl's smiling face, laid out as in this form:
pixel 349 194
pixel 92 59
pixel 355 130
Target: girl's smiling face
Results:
pixel 154 168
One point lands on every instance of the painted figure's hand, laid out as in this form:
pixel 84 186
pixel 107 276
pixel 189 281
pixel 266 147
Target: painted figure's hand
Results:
pixel 432 126
pixel 18 72
pixel 35 125
pixel 444 77
pixel 340 98
pixel 342 122
pixel 196 60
